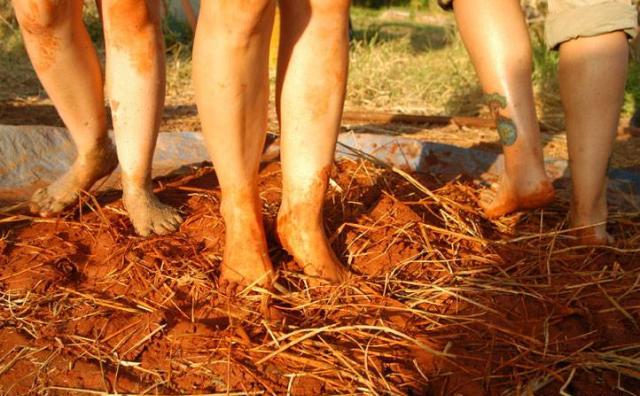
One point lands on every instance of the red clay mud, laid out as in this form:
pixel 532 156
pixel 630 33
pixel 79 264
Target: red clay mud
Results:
pixel 441 302
pixel 131 23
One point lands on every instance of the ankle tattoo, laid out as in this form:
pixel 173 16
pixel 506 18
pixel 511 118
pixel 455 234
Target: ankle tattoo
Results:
pixel 506 127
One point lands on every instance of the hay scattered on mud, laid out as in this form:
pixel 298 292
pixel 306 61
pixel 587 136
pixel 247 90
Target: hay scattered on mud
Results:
pixel 443 301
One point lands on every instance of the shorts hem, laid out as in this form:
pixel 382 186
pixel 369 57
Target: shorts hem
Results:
pixel 590 20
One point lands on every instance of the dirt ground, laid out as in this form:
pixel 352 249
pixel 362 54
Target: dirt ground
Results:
pixel 442 301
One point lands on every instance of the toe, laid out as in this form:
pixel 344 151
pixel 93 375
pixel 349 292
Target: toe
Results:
pixel 222 285
pixel 228 288
pixel 56 207
pixel 34 208
pixel 492 212
pixel 164 228
pixel 46 208
pixel 40 201
pixel 233 289
pixel 499 208
pixel 39 195
pixel 172 222
pixel 177 219
pixel 142 231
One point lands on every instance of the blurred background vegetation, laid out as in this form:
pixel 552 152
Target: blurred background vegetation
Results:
pixel 406 56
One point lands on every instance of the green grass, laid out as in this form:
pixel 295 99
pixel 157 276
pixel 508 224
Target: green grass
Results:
pixel 405 65
pixel 16 76
pixel 419 64
pixel 632 90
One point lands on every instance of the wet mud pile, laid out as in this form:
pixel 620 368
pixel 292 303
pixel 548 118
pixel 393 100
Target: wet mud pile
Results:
pixel 442 301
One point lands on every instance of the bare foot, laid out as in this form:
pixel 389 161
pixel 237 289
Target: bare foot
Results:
pixel 246 255
pixel 87 169
pixel 591 224
pixel 521 194
pixel 304 238
pixel 147 213
pixel 593 236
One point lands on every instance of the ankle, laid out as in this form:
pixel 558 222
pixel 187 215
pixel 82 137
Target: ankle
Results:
pixel 135 183
pixel 97 146
pixel 590 213
pixel 242 206
pixel 303 214
pixel 525 166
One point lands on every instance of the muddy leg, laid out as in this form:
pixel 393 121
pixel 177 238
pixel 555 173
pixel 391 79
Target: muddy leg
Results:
pixel 312 75
pixel 59 46
pixel 231 78
pixel 496 36
pixel 136 84
pixel 592 77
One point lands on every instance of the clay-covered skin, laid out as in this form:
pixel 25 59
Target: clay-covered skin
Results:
pixel 527 192
pixel 524 184
pixel 136 80
pixel 148 215
pixel 231 75
pixel 496 36
pixel 590 222
pixel 59 46
pixel 40 19
pixel 85 171
pixel 593 236
pixel 246 259
pixel 301 232
pixel 314 42
pixel 306 240
pixel 141 18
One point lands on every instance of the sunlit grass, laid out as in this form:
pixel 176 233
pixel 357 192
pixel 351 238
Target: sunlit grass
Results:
pixel 400 61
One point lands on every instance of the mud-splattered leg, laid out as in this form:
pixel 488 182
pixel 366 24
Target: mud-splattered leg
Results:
pixel 59 46
pixel 231 78
pixel 312 74
pixel 136 86
pixel 592 77
pixel 496 36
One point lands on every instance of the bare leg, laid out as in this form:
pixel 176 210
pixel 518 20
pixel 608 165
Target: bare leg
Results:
pixel 59 46
pixel 593 72
pixel 312 74
pixel 231 77
pixel 496 36
pixel 136 84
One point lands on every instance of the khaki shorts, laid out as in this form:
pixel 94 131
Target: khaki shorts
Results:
pixel 569 19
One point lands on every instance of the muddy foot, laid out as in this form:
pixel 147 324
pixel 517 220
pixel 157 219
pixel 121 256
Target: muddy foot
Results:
pixel 147 213
pixel 590 225
pixel 305 240
pixel 592 236
pixel 510 197
pixel 246 256
pixel 85 171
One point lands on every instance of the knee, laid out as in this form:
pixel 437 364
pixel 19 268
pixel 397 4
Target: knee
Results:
pixel 132 18
pixel 238 21
pixel 329 18
pixel 38 17
pixel 330 8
